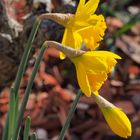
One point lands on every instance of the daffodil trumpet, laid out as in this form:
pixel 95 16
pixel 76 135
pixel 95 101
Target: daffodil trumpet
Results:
pixel 115 117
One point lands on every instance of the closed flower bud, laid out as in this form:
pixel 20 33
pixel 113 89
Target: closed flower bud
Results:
pixel 115 117
pixel 117 121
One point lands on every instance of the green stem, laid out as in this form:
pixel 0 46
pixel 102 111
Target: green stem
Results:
pixel 25 56
pixel 9 125
pixel 11 114
pixel 27 128
pixel 27 92
pixel 5 131
pixel 70 115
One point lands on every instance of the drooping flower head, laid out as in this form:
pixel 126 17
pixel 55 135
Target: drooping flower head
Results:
pixel 92 67
pixel 82 28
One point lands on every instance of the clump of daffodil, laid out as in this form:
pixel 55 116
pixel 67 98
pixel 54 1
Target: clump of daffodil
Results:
pixel 83 27
pixel 115 117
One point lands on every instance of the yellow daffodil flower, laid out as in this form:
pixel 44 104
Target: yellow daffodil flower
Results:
pixel 115 117
pixel 92 68
pixel 84 27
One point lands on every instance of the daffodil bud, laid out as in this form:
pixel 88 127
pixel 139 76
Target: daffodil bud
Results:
pixel 115 117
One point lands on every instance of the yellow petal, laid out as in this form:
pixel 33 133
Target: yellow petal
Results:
pixel 89 8
pixel 108 58
pixel 72 39
pixel 83 79
pixel 105 54
pixel 68 39
pixel 96 80
pixel 91 64
pixel 78 40
pixel 80 6
pixel 117 121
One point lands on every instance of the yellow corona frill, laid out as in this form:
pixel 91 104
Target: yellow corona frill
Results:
pixel 115 117
pixel 92 68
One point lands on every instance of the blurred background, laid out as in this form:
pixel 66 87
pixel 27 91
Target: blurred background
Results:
pixel 56 85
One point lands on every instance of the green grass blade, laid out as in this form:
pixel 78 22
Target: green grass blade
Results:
pixel 5 131
pixel 27 91
pixel 11 114
pixel 25 56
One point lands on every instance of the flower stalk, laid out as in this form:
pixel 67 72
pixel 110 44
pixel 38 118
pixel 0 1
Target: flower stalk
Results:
pixel 70 115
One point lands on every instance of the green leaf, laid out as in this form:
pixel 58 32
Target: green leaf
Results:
pixel 27 128
pixel 25 56
pixel 70 115
pixel 27 92
pixel 5 131
pixel 11 114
